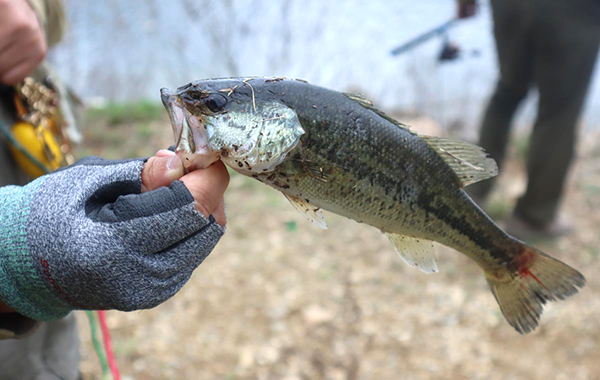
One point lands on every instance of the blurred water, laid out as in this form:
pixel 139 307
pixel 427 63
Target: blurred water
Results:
pixel 130 49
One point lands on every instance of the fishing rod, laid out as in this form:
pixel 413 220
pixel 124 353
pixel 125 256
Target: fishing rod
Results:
pixel 450 51
pixel 439 30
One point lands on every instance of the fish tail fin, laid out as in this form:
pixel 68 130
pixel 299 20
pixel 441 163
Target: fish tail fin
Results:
pixel 530 281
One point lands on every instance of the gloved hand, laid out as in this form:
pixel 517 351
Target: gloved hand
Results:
pixel 87 237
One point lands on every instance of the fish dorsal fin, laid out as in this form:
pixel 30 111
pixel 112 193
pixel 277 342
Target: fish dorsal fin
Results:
pixel 310 212
pixel 359 98
pixel 369 105
pixel 470 162
pixel 416 252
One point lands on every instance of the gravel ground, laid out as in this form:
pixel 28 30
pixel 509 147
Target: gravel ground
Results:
pixel 282 299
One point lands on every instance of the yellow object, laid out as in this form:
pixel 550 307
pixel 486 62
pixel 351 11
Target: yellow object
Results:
pixel 41 145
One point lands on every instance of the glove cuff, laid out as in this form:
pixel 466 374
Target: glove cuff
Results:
pixel 22 287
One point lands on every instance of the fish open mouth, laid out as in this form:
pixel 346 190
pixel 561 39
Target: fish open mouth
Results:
pixel 189 131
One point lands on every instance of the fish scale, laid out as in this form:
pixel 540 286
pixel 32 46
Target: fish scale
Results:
pixel 337 152
pixel 388 160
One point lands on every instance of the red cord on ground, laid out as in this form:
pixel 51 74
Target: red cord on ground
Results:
pixel 112 363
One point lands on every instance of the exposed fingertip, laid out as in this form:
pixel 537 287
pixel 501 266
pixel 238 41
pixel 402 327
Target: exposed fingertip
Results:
pixel 175 164
pixel 165 153
pixel 174 169
pixel 161 171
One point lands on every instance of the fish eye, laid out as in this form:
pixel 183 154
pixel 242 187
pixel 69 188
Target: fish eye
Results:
pixel 215 102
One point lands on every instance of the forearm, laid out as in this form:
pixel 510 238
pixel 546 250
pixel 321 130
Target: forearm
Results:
pixel 466 8
pixel 52 18
pixel 4 308
pixel 20 283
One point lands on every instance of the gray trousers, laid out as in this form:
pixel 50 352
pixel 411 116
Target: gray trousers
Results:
pixel 551 45
pixel 50 353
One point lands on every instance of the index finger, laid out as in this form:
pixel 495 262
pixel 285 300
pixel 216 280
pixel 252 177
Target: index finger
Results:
pixel 207 186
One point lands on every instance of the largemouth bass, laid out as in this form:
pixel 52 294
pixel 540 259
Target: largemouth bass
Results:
pixel 327 150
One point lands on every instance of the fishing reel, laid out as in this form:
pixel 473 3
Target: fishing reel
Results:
pixel 37 140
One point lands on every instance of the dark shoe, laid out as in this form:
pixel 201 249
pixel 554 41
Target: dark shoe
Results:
pixel 525 230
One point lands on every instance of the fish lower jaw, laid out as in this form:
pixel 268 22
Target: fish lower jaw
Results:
pixel 192 145
pixel 194 161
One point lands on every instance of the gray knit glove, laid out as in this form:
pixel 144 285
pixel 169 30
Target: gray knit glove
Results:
pixel 85 237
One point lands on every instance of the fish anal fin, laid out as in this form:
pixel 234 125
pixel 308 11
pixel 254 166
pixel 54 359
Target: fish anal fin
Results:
pixel 416 252
pixel 470 162
pixel 310 212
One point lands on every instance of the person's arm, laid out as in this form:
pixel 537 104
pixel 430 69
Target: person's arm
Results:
pixel 106 235
pixel 26 31
pixel 467 8
pixel 51 16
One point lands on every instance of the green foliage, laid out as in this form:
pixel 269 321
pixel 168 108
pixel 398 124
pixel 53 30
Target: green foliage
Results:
pixel 291 225
pixel 592 251
pixel 591 190
pixel 124 113
pixel 144 132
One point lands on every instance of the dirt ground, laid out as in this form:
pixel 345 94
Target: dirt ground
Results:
pixel 281 299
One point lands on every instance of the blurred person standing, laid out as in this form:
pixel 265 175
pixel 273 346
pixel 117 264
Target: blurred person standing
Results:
pixel 551 45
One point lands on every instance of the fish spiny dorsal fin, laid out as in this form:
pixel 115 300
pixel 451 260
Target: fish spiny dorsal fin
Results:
pixel 416 252
pixel 470 162
pixel 359 98
pixel 369 105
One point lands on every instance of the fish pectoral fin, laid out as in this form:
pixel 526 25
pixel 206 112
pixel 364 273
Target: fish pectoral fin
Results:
pixel 317 170
pixel 416 252
pixel 470 162
pixel 312 213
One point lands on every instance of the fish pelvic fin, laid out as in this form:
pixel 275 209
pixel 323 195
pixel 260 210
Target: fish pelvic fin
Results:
pixel 533 279
pixel 311 213
pixel 470 162
pixel 416 252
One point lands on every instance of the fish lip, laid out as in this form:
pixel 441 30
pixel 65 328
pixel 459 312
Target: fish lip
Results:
pixel 189 131
pixel 175 110
pixel 165 96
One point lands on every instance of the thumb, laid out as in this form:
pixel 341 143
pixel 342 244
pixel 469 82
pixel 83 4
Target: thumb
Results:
pixel 161 170
pixel 207 187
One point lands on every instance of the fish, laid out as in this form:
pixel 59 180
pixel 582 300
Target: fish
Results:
pixel 335 151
